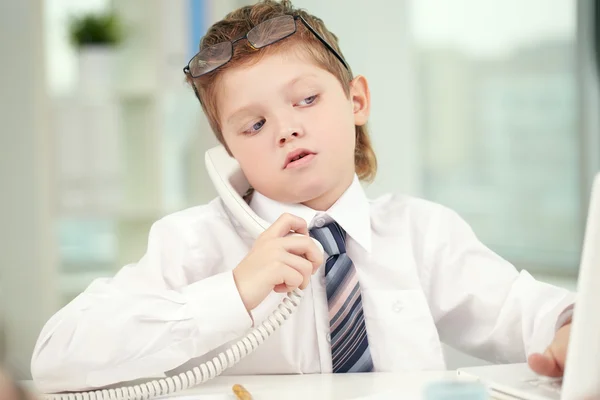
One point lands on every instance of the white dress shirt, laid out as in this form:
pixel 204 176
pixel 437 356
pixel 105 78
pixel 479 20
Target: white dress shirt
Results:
pixel 424 277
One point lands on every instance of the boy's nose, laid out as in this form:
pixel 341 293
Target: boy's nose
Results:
pixel 287 135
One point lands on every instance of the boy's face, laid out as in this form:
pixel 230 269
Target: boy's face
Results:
pixel 285 106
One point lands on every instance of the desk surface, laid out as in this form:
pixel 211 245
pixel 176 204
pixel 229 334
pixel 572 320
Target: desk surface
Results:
pixel 407 386
pixel 371 386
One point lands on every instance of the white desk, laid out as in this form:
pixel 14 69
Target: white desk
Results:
pixel 407 386
pixel 378 386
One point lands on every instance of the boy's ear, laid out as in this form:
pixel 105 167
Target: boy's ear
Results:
pixel 361 100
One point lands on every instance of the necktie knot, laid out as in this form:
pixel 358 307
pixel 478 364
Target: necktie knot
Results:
pixel 332 237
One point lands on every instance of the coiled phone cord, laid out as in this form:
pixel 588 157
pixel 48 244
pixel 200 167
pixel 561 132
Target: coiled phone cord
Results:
pixel 201 373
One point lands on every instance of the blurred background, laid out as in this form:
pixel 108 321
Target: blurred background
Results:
pixel 489 107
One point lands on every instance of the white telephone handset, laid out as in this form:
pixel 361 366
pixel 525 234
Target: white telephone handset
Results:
pixel 231 185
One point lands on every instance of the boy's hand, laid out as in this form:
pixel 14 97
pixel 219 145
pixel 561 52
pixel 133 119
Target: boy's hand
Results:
pixel 552 362
pixel 277 261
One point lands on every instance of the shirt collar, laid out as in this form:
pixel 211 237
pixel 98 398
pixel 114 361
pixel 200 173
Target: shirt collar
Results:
pixel 351 211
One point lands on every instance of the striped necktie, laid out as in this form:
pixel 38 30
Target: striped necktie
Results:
pixel 349 344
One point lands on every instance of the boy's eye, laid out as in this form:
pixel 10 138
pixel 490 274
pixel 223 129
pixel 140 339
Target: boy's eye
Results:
pixel 256 127
pixel 308 101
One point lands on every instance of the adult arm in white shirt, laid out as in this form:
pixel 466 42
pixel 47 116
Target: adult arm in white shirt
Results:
pixel 173 305
pixel 481 304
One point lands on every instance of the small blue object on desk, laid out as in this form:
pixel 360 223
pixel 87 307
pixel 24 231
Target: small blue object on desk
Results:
pixel 456 390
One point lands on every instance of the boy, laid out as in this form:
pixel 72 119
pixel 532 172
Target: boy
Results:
pixel 400 276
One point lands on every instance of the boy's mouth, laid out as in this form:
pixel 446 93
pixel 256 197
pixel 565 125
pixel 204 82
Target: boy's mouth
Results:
pixel 297 158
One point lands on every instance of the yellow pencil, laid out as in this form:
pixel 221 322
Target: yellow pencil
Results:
pixel 241 393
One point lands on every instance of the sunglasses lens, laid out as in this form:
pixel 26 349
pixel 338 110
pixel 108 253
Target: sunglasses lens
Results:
pixel 210 59
pixel 271 31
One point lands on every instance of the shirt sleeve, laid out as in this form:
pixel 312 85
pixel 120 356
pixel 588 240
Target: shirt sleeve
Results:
pixel 481 304
pixel 138 324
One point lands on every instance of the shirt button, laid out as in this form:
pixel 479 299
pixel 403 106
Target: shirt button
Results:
pixel 320 222
pixel 329 338
pixel 397 306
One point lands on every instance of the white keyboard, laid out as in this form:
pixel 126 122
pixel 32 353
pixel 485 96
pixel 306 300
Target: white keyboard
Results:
pixel 551 384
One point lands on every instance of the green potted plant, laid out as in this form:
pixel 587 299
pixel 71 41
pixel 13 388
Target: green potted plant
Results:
pixel 96 36
pixel 102 29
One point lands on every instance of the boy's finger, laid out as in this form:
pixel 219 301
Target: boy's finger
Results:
pixel 306 247
pixel 300 264
pixel 284 225
pixel 545 364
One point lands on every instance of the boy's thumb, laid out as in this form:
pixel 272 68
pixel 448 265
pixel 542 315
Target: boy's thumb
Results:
pixel 545 364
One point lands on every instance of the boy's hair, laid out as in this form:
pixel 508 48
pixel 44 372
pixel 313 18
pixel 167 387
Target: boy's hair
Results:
pixel 238 23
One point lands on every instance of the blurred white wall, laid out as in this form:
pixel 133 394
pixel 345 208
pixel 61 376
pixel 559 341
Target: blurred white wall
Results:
pixel 27 262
